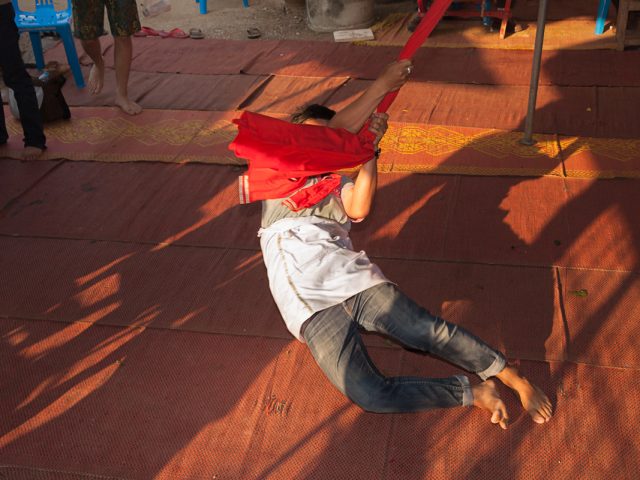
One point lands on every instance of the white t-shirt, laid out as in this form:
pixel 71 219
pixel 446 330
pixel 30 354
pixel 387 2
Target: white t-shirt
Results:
pixel 311 265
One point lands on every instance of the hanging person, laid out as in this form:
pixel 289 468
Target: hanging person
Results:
pixel 326 291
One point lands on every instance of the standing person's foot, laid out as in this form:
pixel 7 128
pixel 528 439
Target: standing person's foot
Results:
pixel 96 78
pixel 486 397
pixel 31 153
pixel 534 401
pixel 128 106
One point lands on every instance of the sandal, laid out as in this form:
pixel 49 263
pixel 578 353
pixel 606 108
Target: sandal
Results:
pixel 147 32
pixel 174 33
pixel 254 33
pixel 196 34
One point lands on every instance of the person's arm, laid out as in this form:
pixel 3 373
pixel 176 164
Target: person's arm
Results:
pixel 353 116
pixel 357 201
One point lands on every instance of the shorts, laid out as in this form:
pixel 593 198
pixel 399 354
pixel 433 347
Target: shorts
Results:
pixel 88 18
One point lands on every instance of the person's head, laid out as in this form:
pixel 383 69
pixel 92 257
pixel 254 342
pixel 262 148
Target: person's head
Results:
pixel 314 114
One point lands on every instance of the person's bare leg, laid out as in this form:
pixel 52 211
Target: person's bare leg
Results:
pixel 122 58
pixel 486 397
pixel 31 153
pixel 96 74
pixel 534 401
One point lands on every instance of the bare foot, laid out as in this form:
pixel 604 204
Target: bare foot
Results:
pixel 534 401
pixel 486 396
pixel 31 153
pixel 128 106
pixel 96 78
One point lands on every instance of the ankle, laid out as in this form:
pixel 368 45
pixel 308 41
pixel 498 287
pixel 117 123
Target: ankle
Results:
pixel 510 376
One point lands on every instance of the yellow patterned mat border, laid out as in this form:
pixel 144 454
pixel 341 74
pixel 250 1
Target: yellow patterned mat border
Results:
pixel 407 146
pixel 439 141
pixel 174 132
pixel 621 149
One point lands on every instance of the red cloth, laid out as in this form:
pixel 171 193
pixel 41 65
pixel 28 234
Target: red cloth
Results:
pixel 306 197
pixel 425 27
pixel 282 155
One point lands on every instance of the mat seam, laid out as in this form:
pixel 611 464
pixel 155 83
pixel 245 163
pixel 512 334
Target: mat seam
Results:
pixel 392 427
pixel 377 257
pixel 561 155
pixel 563 313
pixel 69 472
pixel 449 215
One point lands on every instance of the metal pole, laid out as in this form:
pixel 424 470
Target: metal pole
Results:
pixel 535 74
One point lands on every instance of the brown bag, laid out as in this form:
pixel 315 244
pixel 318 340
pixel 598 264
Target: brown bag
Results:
pixel 48 88
pixel 54 106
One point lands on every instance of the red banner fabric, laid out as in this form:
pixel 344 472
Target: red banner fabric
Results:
pixel 282 155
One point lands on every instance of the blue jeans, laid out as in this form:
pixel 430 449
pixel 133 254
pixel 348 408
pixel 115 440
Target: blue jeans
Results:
pixel 335 342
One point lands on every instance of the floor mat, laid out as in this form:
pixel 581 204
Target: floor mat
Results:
pixel 107 134
pixel 139 84
pixel 412 147
pixel 600 158
pixel 200 92
pixel 313 59
pixel 90 389
pixel 566 317
pixel 18 177
pixel 286 95
pixel 201 57
pixel 482 299
pixel 515 221
pixel 260 408
pixel 137 202
pixel 602 223
pixel 513 67
pixel 171 91
pixel 482 452
pixel 599 306
pixel 512 221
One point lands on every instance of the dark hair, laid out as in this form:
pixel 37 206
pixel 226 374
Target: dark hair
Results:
pixel 315 110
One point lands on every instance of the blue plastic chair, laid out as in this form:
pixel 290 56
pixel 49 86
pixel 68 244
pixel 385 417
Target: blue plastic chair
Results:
pixel 203 5
pixel 45 19
pixel 601 19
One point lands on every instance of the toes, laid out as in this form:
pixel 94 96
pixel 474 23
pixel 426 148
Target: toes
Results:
pixel 496 417
pixel 95 87
pixel 95 80
pixel 499 416
pixel 505 416
pixel 504 420
pixel 540 413
pixel 537 417
pixel 131 108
